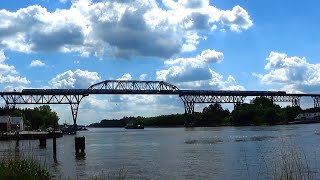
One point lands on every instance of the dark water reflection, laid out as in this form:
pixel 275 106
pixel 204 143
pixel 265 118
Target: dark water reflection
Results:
pixel 179 153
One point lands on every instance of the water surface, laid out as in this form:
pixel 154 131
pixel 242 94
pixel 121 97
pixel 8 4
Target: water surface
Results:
pixel 181 153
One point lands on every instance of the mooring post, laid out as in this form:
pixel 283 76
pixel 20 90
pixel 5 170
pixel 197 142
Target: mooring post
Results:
pixel 42 142
pixel 54 145
pixel 80 144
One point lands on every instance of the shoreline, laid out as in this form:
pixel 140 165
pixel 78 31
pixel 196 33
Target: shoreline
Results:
pixel 29 135
pixel 223 125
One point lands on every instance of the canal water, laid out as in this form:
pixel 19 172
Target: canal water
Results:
pixel 264 152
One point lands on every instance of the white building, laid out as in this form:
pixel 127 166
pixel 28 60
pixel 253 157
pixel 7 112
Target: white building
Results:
pixel 308 116
pixel 17 123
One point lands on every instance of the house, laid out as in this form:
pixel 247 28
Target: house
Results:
pixel 17 123
pixel 5 123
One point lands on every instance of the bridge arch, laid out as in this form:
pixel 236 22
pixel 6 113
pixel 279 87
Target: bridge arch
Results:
pixel 134 85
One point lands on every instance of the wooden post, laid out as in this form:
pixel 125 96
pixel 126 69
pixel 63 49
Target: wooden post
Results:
pixel 54 146
pixel 42 142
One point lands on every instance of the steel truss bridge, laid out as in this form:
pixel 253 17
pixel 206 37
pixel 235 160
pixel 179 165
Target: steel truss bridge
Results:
pixel 73 97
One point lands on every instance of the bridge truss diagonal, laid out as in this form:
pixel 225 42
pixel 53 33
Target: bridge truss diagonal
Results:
pixel 74 100
pixel 134 85
pixel 294 99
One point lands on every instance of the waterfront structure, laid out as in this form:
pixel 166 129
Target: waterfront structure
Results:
pixel 5 124
pixel 308 116
pixel 17 123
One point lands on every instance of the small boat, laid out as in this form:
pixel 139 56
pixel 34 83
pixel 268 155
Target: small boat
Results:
pixel 134 126
pixel 68 129
pixel 82 128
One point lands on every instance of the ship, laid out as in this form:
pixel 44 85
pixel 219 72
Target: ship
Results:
pixel 134 126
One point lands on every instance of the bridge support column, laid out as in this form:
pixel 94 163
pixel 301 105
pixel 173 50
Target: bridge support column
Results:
pixel 295 101
pixel 316 101
pixel 74 101
pixel 188 102
pixel 238 100
pixel 10 106
pixel 74 111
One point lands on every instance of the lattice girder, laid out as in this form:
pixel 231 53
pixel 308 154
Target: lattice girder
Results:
pixel 42 99
pixel 73 100
pixel 133 85
pixel 295 100
pixel 213 99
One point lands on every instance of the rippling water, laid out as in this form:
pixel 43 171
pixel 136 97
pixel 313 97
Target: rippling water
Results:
pixel 179 153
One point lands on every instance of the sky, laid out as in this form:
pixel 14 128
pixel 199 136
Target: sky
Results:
pixel 193 44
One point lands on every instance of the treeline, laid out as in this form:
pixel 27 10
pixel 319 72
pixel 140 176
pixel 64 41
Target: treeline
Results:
pixel 260 111
pixel 37 118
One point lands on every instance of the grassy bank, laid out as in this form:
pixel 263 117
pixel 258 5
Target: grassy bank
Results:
pixel 22 169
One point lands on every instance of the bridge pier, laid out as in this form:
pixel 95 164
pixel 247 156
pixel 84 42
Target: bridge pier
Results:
pixel 188 102
pixel 295 101
pixel 10 106
pixel 316 101
pixel 74 111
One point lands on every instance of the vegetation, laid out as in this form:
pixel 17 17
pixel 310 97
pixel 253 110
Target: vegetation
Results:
pixel 260 111
pixel 22 169
pixel 38 117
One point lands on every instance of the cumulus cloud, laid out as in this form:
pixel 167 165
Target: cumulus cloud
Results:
pixel 37 63
pixel 75 79
pixel 8 74
pixel 294 74
pixel 117 28
pixel 195 72
pixel 143 77
pixel 125 77
pixel 238 19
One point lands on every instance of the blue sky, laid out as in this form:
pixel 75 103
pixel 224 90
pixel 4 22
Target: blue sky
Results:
pixel 195 44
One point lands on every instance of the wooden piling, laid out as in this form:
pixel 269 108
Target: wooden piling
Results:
pixel 42 142
pixel 80 144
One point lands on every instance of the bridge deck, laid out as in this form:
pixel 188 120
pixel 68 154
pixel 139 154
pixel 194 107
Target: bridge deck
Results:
pixel 151 92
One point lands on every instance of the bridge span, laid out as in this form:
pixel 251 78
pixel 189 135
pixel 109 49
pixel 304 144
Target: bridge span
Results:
pixel 189 97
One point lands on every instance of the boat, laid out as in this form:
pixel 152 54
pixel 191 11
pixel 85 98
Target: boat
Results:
pixel 68 129
pixel 134 126
pixel 82 128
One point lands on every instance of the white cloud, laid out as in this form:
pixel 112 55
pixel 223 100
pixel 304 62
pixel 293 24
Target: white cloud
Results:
pixel 117 28
pixel 9 79
pixel 8 73
pixel 2 56
pixel 125 77
pixel 78 79
pixel 37 63
pixel 291 73
pixel 143 77
pixel 63 1
pixel 238 19
pixel 195 72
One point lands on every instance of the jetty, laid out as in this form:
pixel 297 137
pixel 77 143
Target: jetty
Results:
pixel 30 135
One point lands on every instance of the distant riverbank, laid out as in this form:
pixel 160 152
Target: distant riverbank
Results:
pixel 260 111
